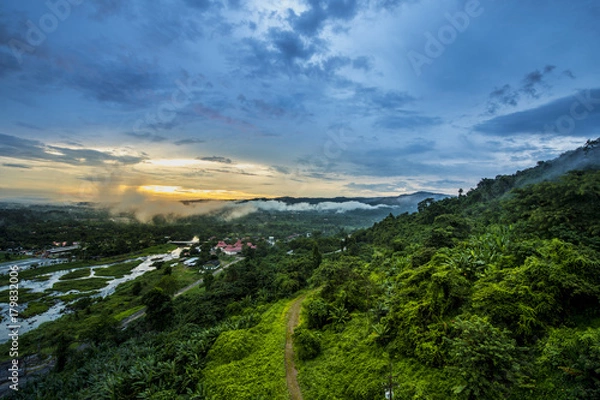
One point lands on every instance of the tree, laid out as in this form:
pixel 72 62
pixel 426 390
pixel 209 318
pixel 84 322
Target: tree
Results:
pixel 422 206
pixel 317 313
pixel 63 341
pixel 208 279
pixel 484 358
pixel 316 256
pixel 159 308
pixel 168 284
pixel 136 289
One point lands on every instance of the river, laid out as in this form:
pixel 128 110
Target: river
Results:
pixel 58 309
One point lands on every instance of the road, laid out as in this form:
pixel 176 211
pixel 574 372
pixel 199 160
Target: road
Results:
pixel 126 321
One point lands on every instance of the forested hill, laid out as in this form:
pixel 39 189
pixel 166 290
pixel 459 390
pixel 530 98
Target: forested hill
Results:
pixel 494 294
pixel 584 158
pixel 556 198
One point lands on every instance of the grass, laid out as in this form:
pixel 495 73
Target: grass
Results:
pixel 195 291
pixel 13 257
pixel 184 274
pixel 117 270
pixel 25 296
pixel 122 315
pixel 33 272
pixel 83 285
pixel 78 273
pixel 36 308
pixel 40 278
pixel 225 259
pixel 334 372
pixel 158 249
pixel 249 363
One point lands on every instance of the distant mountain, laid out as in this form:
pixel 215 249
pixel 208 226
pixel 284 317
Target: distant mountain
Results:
pixel 381 206
pixel 401 200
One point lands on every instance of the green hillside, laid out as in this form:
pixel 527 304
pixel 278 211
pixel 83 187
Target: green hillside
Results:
pixel 494 294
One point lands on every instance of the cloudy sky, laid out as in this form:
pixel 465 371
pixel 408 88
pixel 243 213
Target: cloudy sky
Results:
pixel 233 99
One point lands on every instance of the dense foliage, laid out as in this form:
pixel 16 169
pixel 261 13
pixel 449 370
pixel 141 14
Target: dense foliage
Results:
pixel 469 304
pixel 490 295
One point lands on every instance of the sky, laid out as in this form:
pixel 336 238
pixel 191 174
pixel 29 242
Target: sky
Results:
pixel 181 99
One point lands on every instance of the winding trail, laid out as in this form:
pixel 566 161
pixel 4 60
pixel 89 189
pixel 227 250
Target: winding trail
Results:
pixel 291 373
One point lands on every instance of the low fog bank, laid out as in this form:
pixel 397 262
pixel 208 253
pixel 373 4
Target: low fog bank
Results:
pixel 145 206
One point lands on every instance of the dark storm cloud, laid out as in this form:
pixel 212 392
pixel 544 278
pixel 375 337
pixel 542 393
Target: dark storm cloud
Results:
pixel 218 159
pixel 310 22
pixel 288 53
pixel 291 46
pixel 13 165
pixel 504 96
pixel 231 171
pixel 577 115
pixel 387 100
pixel 188 141
pixel 263 59
pixel 531 87
pixel 26 149
pixel 534 79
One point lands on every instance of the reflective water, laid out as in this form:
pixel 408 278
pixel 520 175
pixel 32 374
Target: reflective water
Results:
pixel 58 309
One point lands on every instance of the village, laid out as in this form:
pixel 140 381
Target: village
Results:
pixel 193 253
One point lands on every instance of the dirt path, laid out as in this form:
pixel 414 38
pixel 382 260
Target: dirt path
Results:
pixel 291 373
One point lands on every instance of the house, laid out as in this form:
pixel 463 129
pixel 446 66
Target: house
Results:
pixel 233 249
pixel 60 251
pixel 191 262
pixel 211 265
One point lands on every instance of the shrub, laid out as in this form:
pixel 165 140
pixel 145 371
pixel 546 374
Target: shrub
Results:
pixel 317 313
pixel 307 344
